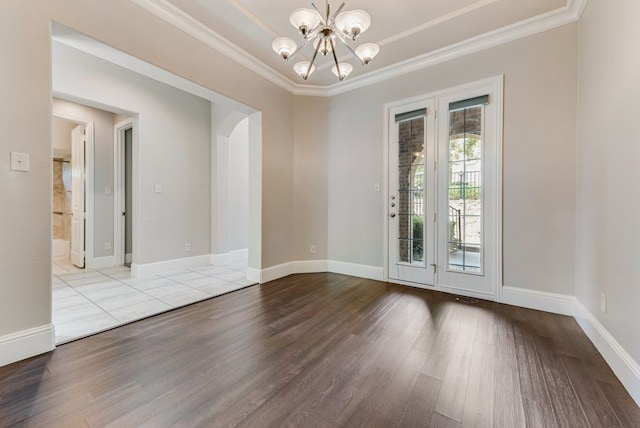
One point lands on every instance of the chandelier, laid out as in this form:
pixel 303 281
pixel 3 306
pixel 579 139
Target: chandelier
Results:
pixel 323 32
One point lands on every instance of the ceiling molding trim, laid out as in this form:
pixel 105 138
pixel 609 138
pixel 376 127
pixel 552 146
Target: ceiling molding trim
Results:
pixel 179 19
pixel 579 6
pixel 538 24
pixel 437 21
pixel 529 27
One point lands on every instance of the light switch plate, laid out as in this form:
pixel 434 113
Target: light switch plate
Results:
pixel 19 161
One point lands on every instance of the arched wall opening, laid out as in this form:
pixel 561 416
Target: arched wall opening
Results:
pixel 236 188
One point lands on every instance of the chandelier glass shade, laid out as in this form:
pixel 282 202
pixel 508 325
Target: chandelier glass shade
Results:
pixel 323 32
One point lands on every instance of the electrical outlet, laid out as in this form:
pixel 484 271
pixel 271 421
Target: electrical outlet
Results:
pixel 107 245
pixel 603 303
pixel 376 187
pixel 187 247
pixel 313 249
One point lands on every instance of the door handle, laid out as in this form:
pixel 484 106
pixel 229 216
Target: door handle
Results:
pixel 392 215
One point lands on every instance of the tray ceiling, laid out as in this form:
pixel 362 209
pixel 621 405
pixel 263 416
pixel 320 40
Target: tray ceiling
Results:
pixel 412 34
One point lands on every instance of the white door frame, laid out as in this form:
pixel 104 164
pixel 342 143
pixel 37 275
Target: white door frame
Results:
pixel 119 193
pixel 89 178
pixel 497 81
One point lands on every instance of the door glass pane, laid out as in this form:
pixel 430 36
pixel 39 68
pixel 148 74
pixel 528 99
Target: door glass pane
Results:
pixel 411 194
pixel 465 189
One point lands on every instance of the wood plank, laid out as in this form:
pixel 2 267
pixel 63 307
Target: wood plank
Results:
pixel 422 401
pixel 440 421
pixel 324 350
pixel 626 410
pixel 452 397
pixel 594 402
pixel 566 407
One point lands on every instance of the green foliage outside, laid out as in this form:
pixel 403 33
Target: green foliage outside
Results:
pixel 418 239
pixel 457 190
pixel 458 150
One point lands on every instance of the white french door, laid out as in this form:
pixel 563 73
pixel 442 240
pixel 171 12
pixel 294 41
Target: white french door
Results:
pixel 78 195
pixel 444 191
pixel 411 193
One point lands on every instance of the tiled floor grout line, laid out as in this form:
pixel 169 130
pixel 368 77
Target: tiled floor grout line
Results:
pixel 157 304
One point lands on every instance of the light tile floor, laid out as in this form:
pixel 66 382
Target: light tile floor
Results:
pixel 89 301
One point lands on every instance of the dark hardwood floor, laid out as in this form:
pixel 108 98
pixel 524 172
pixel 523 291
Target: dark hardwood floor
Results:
pixel 324 350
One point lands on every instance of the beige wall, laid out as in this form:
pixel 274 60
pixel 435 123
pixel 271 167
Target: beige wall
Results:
pixel 539 157
pixel 608 155
pixel 25 118
pixel 310 177
pixel 61 136
pixel 238 204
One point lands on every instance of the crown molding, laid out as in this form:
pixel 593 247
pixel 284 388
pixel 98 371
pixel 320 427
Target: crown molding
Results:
pixel 568 14
pixel 529 27
pixel 179 19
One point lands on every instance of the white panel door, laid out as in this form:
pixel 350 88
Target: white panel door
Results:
pixel 78 195
pixel 412 194
pixel 468 192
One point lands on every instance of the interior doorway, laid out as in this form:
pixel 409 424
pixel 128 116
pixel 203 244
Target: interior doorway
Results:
pixel 71 142
pixel 125 133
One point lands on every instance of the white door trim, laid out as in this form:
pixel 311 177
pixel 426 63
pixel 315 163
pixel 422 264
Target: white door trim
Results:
pixel 89 189
pixel 119 193
pixel 498 82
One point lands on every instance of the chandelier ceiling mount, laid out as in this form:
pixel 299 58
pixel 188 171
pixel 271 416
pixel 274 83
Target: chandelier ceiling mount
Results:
pixel 323 32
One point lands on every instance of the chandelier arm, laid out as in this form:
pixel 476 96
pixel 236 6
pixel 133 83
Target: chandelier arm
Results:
pixel 315 31
pixel 315 54
pixel 344 42
pixel 335 57
pixel 335 15
pixel 322 21
pixel 299 48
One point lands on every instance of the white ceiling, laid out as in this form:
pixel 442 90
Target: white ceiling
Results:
pixel 408 31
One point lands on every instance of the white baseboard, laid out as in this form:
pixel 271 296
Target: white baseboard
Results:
pixel 315 266
pixel 230 257
pixel 26 343
pixel 102 262
pixel 542 301
pixel 241 254
pixel 275 272
pixel 149 269
pixel 353 269
pixel 220 259
pixel 253 274
pixel 622 364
